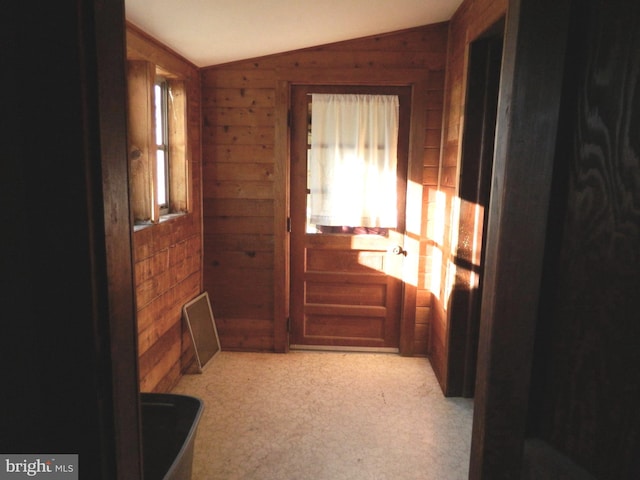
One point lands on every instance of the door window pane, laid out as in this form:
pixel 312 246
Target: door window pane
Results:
pixel 352 164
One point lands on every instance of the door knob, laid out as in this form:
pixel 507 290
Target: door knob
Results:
pixel 398 250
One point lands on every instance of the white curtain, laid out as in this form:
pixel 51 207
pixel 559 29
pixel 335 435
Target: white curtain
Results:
pixel 353 160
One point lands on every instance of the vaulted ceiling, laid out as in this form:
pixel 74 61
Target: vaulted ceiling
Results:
pixel 212 32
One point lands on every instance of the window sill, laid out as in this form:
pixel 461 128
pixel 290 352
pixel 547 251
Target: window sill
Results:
pixel 163 218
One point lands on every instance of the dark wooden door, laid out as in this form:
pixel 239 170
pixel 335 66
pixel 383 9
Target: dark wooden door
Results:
pixel 346 288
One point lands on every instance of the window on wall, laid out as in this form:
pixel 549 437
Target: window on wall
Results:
pixel 158 163
pixel 161 93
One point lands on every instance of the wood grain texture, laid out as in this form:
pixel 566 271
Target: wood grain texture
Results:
pixel 587 377
pixel 245 108
pixel 168 256
pixel 142 148
pixel 534 56
pixel 472 18
pixel 110 57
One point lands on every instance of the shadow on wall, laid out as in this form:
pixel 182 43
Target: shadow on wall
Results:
pixel 464 327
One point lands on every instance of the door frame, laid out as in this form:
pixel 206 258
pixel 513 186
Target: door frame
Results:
pixel 527 124
pixel 303 245
pixel 417 80
pixel 483 70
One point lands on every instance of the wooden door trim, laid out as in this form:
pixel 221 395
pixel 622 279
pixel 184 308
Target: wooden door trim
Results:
pixel 474 177
pixel 118 253
pixel 304 279
pixel 281 246
pixel 527 123
pixel 415 79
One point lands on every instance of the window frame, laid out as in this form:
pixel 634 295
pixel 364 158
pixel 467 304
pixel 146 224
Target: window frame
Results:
pixel 143 148
pixel 161 109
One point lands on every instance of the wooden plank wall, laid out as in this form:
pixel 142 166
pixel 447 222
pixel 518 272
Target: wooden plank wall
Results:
pixel 471 19
pixel 239 104
pixel 168 256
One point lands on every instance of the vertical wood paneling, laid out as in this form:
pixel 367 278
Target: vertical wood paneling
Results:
pixel 241 102
pixel 168 256
pixel 178 142
pixel 472 18
pixel 141 132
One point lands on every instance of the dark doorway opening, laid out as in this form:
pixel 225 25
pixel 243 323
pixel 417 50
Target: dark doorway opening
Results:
pixel 485 59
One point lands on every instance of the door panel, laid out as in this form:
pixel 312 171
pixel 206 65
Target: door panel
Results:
pixel 346 288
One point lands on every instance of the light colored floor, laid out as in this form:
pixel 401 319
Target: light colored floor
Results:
pixel 326 416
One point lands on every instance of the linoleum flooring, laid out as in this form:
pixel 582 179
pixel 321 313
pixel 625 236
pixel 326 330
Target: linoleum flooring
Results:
pixel 309 415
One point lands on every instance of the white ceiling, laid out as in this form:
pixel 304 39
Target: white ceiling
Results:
pixel 211 32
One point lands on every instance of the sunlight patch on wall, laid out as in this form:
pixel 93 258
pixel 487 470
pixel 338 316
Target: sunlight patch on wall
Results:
pixel 451 268
pixel 435 233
